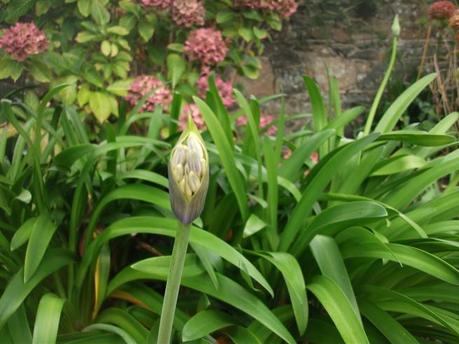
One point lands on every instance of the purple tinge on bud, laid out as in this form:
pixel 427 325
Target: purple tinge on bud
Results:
pixel 188 176
pixel 22 40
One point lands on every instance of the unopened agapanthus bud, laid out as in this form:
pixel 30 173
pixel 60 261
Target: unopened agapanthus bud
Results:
pixel 188 175
pixel 396 27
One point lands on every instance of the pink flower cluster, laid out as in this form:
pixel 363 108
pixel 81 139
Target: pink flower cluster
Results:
pixel 265 123
pixel 188 12
pixel 206 45
pixel 144 84
pixel 441 10
pixel 193 111
pixel 184 12
pixel 225 88
pixel 23 40
pixel 158 4
pixel 284 7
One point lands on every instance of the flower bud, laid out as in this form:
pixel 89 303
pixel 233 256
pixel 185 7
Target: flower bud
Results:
pixel 396 27
pixel 188 175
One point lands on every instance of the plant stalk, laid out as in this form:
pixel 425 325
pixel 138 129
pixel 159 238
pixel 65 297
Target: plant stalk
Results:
pixel 173 283
pixel 383 85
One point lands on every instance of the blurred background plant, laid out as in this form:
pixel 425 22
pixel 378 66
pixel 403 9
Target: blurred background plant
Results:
pixel 441 57
pixel 105 47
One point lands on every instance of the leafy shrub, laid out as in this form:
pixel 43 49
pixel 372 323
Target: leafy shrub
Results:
pixel 96 45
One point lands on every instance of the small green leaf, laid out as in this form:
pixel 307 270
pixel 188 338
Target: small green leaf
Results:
pixel 84 6
pixel 120 87
pixel 100 104
pixel 246 33
pixel 105 47
pixel 118 30
pixel 146 30
pixel 176 66
pixel 99 13
pixel 85 36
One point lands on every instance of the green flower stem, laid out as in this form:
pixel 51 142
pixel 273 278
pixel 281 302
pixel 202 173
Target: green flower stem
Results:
pixel 379 95
pixel 173 284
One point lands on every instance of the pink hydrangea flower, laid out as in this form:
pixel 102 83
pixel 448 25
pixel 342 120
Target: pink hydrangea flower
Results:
pixel 158 4
pixel 225 88
pixel 314 157
pixel 188 12
pixel 206 45
pixel 193 111
pixel 266 123
pixel 284 7
pixel 286 153
pixel 23 40
pixel 441 10
pixel 145 84
pixel 241 121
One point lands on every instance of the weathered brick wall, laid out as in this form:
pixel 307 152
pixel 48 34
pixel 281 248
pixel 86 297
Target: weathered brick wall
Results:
pixel 351 38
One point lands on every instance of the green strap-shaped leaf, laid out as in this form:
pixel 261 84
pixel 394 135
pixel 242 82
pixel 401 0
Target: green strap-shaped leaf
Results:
pixel 241 335
pixel 47 319
pixel 339 308
pixel 235 295
pixel 319 178
pixel 292 166
pixel 392 301
pixel 124 321
pixel 226 155
pixel 441 127
pixel 228 291
pixel 386 324
pixel 16 290
pixel 92 337
pixel 398 164
pixel 418 138
pixel 319 112
pixel 331 264
pixel 411 256
pixel 293 277
pixel 338 217
pixel 160 266
pixel 168 227
pixel 399 106
pixel 22 234
pixel 204 323
pixel 40 237
pixel 407 192
pixel 139 192
pixel 119 332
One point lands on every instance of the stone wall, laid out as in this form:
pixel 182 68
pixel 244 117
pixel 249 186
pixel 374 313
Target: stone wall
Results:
pixel 351 38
